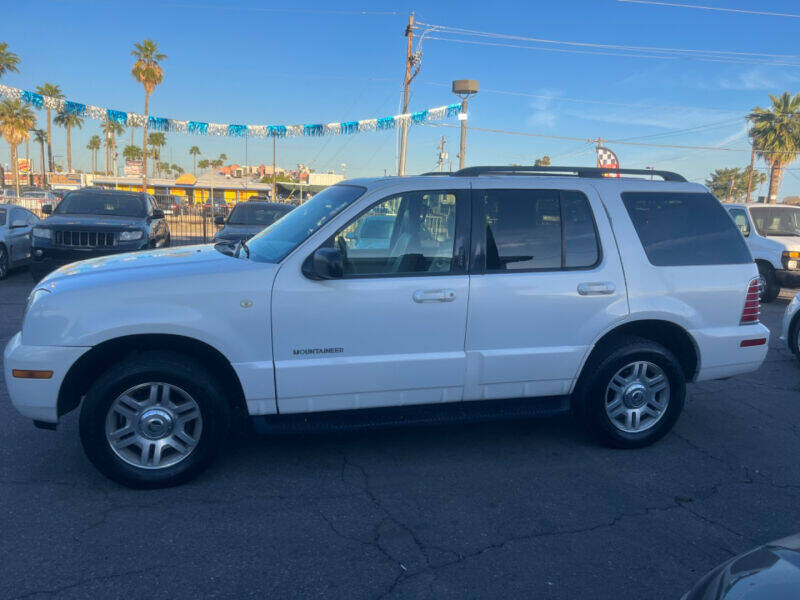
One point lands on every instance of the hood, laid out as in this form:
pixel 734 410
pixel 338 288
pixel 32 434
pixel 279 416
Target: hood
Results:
pixel 792 242
pixel 150 263
pixel 238 232
pixel 92 221
pixel 770 572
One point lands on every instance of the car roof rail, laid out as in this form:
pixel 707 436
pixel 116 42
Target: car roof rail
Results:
pixel 435 173
pixel 590 172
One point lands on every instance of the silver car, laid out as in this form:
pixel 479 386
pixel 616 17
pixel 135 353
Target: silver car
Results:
pixel 15 236
pixel 790 331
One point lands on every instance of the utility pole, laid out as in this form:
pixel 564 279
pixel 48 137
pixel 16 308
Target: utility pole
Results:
pixel 411 59
pixel 442 154
pixel 464 88
pixel 750 175
pixel 274 172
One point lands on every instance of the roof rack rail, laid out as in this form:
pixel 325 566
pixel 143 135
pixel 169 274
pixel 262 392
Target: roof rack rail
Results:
pixel 435 173
pixel 590 172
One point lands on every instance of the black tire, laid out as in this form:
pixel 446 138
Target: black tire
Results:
pixel 4 263
pixel 590 396
pixel 770 288
pixel 794 335
pixel 154 366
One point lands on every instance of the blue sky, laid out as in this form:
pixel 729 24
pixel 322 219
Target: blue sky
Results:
pixel 258 62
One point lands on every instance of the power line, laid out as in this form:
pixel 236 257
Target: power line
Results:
pixel 717 8
pixel 616 48
pixel 623 54
pixel 610 141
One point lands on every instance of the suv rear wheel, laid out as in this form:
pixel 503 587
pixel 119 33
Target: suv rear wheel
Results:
pixel 632 394
pixel 153 420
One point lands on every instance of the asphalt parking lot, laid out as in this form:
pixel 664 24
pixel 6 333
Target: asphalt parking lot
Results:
pixel 522 509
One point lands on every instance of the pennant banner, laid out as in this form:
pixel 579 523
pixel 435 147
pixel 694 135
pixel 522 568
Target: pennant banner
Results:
pixel 229 129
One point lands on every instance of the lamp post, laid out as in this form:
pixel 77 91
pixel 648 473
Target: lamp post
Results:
pixel 464 88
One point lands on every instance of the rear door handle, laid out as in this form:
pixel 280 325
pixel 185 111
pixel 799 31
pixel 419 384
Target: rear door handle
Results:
pixel 596 288
pixel 422 296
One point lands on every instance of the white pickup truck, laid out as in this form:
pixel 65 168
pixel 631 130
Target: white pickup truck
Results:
pixel 491 292
pixel 772 232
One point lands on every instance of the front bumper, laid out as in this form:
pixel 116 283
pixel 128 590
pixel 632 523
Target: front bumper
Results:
pixel 37 398
pixel 792 312
pixel 788 279
pixel 46 260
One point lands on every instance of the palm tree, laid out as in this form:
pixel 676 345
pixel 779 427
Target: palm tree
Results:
pixel 195 152
pixel 177 169
pixel 204 163
pixel 165 168
pixel 775 133
pixel 8 60
pixel 93 146
pixel 111 129
pixel 16 120
pixel 52 90
pixel 132 152
pixel 223 158
pixel 157 140
pixel 68 120
pixel 147 71
pixel 40 137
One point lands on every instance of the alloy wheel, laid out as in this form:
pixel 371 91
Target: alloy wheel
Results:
pixel 637 396
pixel 154 425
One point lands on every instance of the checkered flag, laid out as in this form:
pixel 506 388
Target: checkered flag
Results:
pixel 606 159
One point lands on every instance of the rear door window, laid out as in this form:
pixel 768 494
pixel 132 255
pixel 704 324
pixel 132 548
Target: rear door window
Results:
pixel 683 229
pixel 537 230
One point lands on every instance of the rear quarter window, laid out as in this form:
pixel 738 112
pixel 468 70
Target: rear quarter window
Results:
pixel 684 229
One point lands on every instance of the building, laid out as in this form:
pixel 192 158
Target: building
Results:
pixel 194 190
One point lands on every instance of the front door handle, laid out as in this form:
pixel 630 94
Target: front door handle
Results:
pixel 596 288
pixel 422 296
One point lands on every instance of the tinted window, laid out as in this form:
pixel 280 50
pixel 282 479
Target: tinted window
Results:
pixel 3 216
pixel 739 217
pixel 581 245
pixel 410 233
pixel 94 203
pixel 283 236
pixel 776 221
pixel 256 214
pixel 538 229
pixel 685 229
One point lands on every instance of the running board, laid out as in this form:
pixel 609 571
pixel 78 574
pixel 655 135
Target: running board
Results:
pixel 418 414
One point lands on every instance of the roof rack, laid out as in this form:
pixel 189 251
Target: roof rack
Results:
pixel 590 172
pixel 436 173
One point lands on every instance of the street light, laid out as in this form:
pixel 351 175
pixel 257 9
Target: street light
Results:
pixel 464 88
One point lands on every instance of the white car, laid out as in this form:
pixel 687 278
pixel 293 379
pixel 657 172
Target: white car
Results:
pixel 790 331
pixel 496 295
pixel 772 232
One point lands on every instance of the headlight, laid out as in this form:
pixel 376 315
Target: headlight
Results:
pixel 36 295
pixel 129 236
pixel 41 232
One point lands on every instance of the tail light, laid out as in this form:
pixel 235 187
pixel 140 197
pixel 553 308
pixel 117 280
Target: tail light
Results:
pixel 752 305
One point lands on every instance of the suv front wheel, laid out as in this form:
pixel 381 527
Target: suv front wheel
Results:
pixel 154 420
pixel 632 393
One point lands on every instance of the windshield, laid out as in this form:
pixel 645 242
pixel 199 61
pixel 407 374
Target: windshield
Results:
pixel 33 195
pixel 776 221
pixel 111 203
pixel 283 236
pixel 256 214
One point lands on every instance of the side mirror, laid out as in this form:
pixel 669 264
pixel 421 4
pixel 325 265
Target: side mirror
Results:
pixel 158 213
pixel 17 224
pixel 47 209
pixel 325 263
pixel 219 220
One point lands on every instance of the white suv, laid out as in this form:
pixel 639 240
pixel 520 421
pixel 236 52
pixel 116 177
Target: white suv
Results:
pixel 772 232
pixel 488 293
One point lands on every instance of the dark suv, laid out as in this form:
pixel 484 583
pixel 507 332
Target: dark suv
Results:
pixel 94 222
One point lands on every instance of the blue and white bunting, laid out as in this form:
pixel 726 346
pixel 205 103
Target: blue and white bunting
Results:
pixel 233 129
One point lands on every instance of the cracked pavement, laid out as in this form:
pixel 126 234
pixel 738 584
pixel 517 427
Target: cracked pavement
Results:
pixel 516 509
